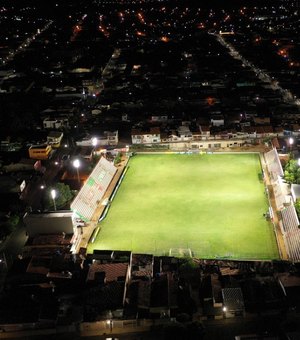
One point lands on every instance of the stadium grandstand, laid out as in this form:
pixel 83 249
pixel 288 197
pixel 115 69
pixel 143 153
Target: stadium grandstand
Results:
pixel 281 192
pixel 91 194
pixel 289 222
pixel 273 163
pixel 290 228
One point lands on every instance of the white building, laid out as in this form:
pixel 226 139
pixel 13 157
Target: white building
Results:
pixel 106 138
pixel 54 138
pixel 159 118
pixel 205 131
pixel 139 136
pixel 55 123
pixel 184 133
pixel 217 120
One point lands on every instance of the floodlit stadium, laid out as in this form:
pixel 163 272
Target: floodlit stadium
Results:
pixel 208 206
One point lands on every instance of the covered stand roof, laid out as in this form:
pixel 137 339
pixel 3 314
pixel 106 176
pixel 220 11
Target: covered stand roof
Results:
pixel 94 189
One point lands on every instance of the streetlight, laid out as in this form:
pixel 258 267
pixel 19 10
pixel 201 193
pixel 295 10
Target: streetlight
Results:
pixel 94 141
pixel 53 195
pixel 76 164
pixel 291 142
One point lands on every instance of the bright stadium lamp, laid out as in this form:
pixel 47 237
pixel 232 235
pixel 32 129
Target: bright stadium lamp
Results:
pixel 53 195
pixel 76 164
pixel 291 142
pixel 94 141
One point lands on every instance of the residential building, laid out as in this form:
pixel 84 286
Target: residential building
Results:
pixel 217 120
pixel 55 123
pixel 150 136
pixel 233 302
pixel 184 133
pixel 205 131
pixel 40 151
pixel 54 138
pixel 159 118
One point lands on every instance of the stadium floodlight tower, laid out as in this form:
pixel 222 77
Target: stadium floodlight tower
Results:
pixel 76 164
pixel 53 195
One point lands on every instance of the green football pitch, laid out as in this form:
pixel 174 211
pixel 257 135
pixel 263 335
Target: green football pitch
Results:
pixel 210 204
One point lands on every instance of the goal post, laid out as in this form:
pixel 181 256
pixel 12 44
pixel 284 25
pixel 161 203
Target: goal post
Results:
pixel 180 252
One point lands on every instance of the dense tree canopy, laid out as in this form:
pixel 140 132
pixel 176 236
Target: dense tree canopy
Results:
pixel 292 172
pixel 63 196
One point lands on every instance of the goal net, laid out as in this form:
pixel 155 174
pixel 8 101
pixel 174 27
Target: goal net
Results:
pixel 180 252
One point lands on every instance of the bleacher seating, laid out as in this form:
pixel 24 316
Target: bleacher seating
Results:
pixel 291 232
pixel 279 194
pixel 273 163
pixel 276 173
pixel 290 223
pixel 88 198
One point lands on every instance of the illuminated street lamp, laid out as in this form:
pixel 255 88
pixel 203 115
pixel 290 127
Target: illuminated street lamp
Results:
pixel 76 164
pixel 298 161
pixel 291 142
pixel 53 195
pixel 94 141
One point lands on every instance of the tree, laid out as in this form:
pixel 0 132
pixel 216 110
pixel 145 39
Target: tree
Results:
pixel 297 206
pixel 63 196
pixel 292 172
pixel 188 268
pixel 118 158
pixel 9 225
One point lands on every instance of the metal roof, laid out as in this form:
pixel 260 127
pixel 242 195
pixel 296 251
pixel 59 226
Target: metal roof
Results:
pixel 92 192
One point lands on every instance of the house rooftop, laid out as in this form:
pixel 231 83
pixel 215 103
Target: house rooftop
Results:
pixel 55 134
pixel 233 299
pixel 113 271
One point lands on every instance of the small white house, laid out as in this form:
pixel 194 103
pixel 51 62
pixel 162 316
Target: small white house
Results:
pixel 217 120
pixel 184 133
pixel 146 137
pixel 55 123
